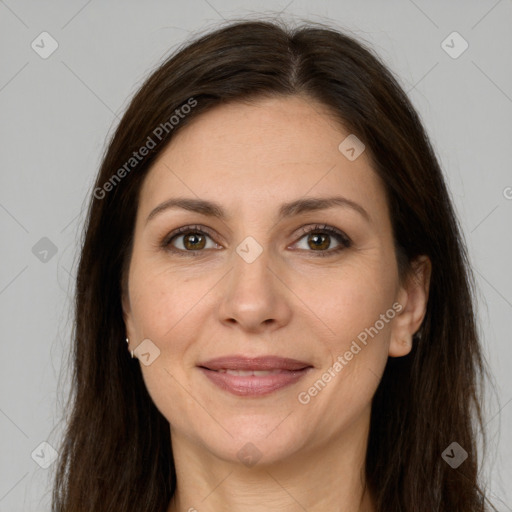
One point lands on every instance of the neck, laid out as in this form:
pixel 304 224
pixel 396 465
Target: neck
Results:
pixel 327 476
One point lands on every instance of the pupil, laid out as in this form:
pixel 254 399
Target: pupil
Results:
pixel 193 239
pixel 318 240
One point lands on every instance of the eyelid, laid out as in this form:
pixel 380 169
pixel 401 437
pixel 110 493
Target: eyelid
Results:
pixel 344 240
pixel 311 228
pixel 194 228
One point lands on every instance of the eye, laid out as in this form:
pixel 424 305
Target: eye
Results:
pixel 191 240
pixel 318 238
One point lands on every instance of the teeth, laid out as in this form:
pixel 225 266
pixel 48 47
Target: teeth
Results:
pixel 247 373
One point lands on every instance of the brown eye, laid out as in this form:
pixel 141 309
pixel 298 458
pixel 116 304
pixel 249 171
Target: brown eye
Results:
pixel 194 241
pixel 188 239
pixel 319 240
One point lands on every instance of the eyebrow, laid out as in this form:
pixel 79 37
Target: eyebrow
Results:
pixel 212 209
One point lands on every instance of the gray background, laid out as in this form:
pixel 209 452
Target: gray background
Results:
pixel 56 114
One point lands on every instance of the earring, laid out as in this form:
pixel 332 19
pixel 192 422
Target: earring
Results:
pixel 127 341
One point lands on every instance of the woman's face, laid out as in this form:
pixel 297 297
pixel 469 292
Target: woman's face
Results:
pixel 253 284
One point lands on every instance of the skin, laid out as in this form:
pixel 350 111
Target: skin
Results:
pixel 251 158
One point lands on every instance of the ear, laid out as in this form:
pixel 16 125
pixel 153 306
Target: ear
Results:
pixel 413 297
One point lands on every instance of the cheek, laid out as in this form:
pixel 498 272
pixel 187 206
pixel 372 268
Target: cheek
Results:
pixel 350 300
pixel 163 301
pixel 165 310
pixel 357 338
pixel 357 343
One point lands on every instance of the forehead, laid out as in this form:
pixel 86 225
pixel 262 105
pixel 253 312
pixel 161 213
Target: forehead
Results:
pixel 262 153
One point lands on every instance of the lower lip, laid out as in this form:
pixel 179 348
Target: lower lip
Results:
pixel 253 385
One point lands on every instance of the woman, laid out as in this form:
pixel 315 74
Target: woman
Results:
pixel 271 234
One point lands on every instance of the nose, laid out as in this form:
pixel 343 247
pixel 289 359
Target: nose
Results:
pixel 255 296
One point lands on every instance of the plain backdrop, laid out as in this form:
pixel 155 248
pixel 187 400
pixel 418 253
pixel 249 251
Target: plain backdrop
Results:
pixel 58 110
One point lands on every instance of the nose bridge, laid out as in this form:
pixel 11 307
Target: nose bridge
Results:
pixel 251 275
pixel 253 296
pixel 251 257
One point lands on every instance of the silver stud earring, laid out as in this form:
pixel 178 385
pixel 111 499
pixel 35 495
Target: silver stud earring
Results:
pixel 127 341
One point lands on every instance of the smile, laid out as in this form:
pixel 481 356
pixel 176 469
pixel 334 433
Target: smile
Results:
pixel 244 376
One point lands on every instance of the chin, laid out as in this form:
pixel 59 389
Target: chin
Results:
pixel 255 442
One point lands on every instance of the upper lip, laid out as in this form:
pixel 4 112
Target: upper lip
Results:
pixel 235 362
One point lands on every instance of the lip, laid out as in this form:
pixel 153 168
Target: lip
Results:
pixel 282 373
pixel 236 362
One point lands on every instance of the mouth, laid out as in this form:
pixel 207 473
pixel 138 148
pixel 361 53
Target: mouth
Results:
pixel 244 376
pixel 247 373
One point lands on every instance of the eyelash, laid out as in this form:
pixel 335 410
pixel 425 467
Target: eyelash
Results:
pixel 343 239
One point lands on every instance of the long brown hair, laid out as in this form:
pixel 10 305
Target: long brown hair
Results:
pixel 116 452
